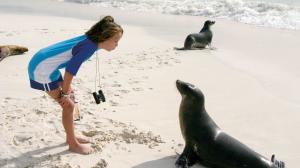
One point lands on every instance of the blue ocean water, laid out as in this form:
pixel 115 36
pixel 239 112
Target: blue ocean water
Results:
pixel 268 13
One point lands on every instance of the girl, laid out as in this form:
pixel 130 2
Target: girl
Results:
pixel 44 71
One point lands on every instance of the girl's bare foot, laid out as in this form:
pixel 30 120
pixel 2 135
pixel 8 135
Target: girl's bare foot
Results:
pixel 82 140
pixel 81 149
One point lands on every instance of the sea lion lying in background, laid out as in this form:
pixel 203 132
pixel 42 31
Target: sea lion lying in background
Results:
pixel 198 41
pixel 8 50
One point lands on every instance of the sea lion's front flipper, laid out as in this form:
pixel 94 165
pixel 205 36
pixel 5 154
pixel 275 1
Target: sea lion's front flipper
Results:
pixel 177 48
pixel 187 158
pixel 277 163
pixel 1 57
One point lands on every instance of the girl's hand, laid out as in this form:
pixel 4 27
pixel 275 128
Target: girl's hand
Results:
pixel 68 92
pixel 65 101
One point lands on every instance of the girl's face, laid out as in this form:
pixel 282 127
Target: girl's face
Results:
pixel 111 43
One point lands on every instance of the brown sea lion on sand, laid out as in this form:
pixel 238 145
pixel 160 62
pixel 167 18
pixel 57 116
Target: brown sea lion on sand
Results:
pixel 198 41
pixel 8 50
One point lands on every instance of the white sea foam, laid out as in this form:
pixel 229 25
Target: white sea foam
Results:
pixel 262 13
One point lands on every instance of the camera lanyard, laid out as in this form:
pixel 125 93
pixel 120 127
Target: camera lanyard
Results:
pixel 97 72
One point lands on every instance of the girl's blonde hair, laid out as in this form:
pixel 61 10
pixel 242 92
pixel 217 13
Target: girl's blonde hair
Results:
pixel 103 30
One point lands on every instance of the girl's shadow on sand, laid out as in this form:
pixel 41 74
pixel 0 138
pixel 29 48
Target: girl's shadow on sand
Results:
pixel 30 158
pixel 166 162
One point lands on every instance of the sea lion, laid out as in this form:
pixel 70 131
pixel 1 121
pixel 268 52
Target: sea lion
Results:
pixel 199 40
pixel 206 143
pixel 8 50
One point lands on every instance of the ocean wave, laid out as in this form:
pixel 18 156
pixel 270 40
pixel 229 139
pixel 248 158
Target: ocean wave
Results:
pixel 260 13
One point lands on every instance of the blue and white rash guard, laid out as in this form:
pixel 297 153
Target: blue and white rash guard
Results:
pixel 43 68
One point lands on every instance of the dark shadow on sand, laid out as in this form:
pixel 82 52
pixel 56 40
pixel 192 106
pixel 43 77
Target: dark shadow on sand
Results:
pixel 166 162
pixel 29 159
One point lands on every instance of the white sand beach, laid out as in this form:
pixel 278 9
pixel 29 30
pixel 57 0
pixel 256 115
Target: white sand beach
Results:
pixel 250 82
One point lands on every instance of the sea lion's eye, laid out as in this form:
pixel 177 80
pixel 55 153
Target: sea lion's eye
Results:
pixel 191 86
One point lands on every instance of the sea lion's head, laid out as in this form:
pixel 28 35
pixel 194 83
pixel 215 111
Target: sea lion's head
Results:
pixel 190 92
pixel 4 52
pixel 208 23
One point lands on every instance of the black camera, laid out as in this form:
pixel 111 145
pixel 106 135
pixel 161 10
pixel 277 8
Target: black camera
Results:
pixel 99 97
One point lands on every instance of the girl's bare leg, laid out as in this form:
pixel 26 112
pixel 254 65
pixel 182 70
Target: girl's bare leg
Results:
pixel 67 120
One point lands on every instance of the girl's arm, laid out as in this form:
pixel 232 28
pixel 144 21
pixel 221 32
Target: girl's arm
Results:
pixel 66 85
